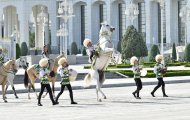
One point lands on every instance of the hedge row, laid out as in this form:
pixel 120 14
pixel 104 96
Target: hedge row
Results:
pixel 150 74
pixel 146 65
pixel 113 66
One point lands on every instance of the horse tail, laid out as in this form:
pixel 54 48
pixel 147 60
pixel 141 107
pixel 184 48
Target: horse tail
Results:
pixel 101 77
pixel 87 80
pixel 26 80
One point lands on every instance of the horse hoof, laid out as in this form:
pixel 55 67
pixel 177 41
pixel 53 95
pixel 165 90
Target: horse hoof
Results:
pixel 5 101
pixel 99 100
pixel 105 97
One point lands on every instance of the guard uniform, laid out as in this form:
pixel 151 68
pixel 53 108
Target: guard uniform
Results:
pixel 43 75
pixel 159 75
pixel 64 73
pixel 137 78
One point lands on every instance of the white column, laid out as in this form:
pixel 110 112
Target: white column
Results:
pixel 46 30
pixel 70 36
pixel 1 20
pixel 128 21
pixel 89 19
pixel 52 10
pixel 112 12
pixel 168 19
pixel 148 23
pixel 188 30
pixel 5 24
pixel 24 28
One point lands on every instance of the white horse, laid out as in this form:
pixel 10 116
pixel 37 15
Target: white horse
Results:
pixel 20 63
pixel 101 63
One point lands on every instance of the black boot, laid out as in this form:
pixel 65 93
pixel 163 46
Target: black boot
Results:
pixel 164 93
pixel 39 104
pixel 138 96
pixel 134 94
pixel 152 93
pixel 74 102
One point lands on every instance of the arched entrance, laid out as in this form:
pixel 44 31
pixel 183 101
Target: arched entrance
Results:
pixel 98 16
pixel 79 23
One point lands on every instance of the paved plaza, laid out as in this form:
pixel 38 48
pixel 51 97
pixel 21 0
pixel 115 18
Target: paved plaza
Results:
pixel 120 105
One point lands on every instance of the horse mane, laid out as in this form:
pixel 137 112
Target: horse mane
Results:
pixel 8 62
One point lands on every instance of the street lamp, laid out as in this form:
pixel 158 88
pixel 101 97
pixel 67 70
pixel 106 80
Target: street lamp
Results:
pixel 65 12
pixel 185 16
pixel 13 41
pixel 162 25
pixel 42 19
pixel 132 11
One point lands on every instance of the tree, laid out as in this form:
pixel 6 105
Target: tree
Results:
pixel 174 54
pixel 84 52
pixel 68 53
pixel 133 44
pixel 119 46
pixel 74 49
pixel 31 39
pixel 79 51
pixel 187 53
pixel 24 49
pixel 17 51
pixel 153 52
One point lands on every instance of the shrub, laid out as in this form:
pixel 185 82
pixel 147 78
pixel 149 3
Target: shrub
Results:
pixel 24 49
pixel 150 74
pixel 84 52
pixel 187 53
pixel 174 54
pixel 153 52
pixel 74 49
pixel 119 46
pixel 68 53
pixel 17 51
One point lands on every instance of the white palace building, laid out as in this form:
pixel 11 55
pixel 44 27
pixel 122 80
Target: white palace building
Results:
pixel 22 16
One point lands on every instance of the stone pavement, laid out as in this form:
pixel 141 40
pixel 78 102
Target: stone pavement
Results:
pixel 120 105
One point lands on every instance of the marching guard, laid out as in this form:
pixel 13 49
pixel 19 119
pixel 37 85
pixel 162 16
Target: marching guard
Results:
pixel 44 75
pixel 65 81
pixel 136 71
pixel 159 70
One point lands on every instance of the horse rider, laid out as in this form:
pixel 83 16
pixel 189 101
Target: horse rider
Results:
pixel 44 76
pixel 65 82
pixel 158 70
pixel 136 71
pixel 90 49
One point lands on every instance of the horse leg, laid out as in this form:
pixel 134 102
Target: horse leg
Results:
pixel 29 87
pixel 102 78
pixel 95 76
pixel 7 85
pixel 33 87
pixel 14 91
pixel 3 91
pixel 53 88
